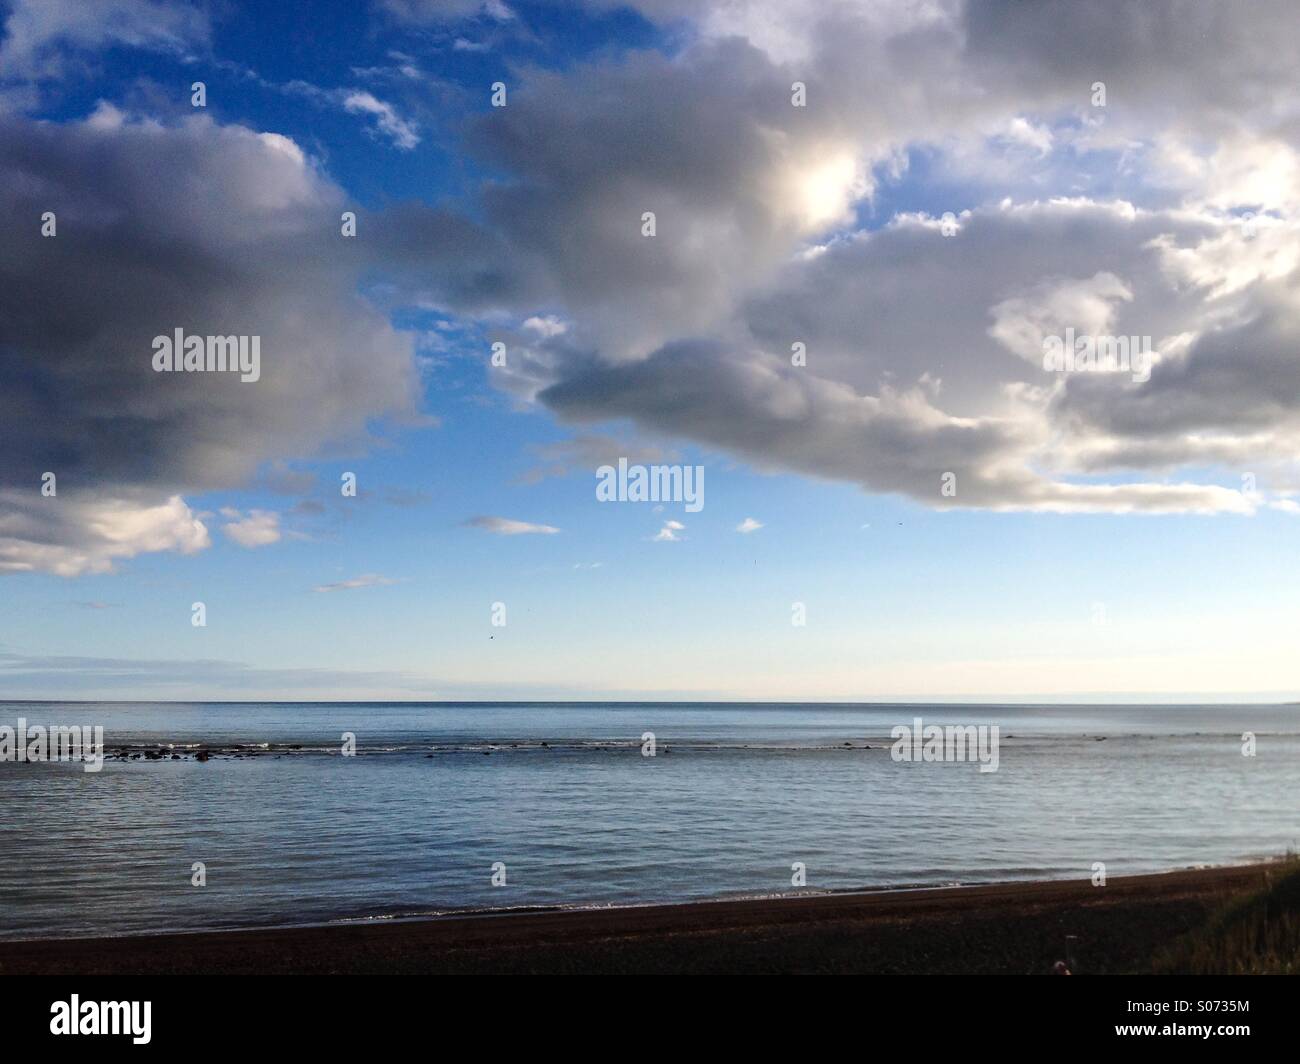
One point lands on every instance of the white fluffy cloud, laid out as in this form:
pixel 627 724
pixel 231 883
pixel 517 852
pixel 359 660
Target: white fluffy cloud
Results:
pixel 670 532
pixel 72 538
pixel 257 528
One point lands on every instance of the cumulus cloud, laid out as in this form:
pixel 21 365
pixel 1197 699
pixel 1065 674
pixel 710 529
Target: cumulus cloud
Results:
pixel 258 528
pixel 504 526
pixel 749 524
pixel 239 239
pixel 90 534
pixel 732 187
pixel 923 341
pixel 670 532
pixel 773 226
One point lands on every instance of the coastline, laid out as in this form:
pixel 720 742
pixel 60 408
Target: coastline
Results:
pixel 1008 928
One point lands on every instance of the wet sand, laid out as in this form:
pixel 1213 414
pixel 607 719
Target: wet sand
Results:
pixel 1015 928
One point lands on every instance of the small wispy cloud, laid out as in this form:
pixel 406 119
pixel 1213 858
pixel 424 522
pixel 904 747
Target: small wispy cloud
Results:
pixel 404 66
pixel 748 525
pixel 504 526
pixel 97 605
pixel 401 132
pixel 670 533
pixel 366 580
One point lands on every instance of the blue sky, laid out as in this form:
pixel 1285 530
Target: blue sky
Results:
pixel 1101 542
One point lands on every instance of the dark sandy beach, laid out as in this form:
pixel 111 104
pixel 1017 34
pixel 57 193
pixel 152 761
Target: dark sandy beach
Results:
pixel 1017 928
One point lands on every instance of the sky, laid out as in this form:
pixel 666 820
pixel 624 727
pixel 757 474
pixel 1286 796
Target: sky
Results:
pixel 813 254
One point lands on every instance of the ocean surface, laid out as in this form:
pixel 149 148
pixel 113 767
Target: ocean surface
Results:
pixel 290 831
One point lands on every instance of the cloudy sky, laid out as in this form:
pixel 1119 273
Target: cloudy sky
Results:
pixel 870 220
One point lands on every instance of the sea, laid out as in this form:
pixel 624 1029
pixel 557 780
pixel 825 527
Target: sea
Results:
pixel 228 815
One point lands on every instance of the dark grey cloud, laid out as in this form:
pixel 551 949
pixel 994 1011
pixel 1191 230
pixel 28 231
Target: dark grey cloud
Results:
pixel 1230 400
pixel 216 230
pixel 778 417
pixel 1174 61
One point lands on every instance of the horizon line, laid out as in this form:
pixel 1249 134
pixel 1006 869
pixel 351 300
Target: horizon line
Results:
pixel 1019 701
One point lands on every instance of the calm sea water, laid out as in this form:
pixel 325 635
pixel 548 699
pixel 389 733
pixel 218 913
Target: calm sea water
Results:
pixel 292 832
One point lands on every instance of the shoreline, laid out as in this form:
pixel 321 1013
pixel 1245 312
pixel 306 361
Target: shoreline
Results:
pixel 1015 927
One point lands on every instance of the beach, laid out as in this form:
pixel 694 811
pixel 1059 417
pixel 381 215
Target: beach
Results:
pixel 1011 929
